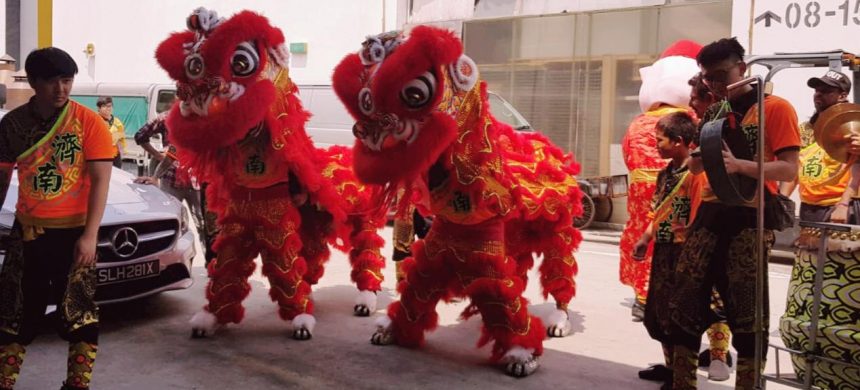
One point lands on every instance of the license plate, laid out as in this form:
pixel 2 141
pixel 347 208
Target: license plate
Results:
pixel 128 272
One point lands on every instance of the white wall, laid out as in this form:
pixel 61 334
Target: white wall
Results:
pixel 126 32
pixel 828 34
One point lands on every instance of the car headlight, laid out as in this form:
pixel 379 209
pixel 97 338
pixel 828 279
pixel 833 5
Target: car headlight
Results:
pixel 183 220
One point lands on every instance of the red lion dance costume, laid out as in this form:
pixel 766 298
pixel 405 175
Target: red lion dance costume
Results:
pixel 664 90
pixel 497 197
pixel 239 125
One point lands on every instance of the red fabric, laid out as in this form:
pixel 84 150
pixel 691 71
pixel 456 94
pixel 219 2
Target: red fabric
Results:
pixel 639 147
pixel 479 179
pixel 249 229
pixel 274 192
pixel 437 272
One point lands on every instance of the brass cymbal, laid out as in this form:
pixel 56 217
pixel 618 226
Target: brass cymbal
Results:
pixel 833 127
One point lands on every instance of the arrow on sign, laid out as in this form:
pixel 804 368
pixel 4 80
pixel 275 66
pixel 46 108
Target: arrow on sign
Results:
pixel 767 17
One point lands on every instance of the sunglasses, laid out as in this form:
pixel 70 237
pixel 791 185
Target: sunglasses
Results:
pixel 718 75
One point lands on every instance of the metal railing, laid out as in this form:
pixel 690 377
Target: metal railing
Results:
pixel 775 63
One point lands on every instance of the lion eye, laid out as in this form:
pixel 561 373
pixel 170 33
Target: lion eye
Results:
pixel 194 66
pixel 365 101
pixel 245 60
pixel 418 92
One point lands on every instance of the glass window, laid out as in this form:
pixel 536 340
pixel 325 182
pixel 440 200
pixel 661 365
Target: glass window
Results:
pixel 575 77
pixel 489 42
pixel 165 100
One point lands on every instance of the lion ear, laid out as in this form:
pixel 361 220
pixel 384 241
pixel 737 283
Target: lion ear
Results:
pixel 171 53
pixel 464 73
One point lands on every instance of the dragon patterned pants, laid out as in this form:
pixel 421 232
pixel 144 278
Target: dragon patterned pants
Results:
pixel 36 273
pixel 457 260
pixel 720 252
pixel 268 227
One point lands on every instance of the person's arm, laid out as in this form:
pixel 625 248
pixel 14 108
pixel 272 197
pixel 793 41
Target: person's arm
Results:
pixel 784 168
pixel 120 145
pixel 144 134
pixel 99 175
pixel 641 246
pixel 786 188
pixel 840 210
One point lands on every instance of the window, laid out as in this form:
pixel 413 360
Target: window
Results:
pixel 575 77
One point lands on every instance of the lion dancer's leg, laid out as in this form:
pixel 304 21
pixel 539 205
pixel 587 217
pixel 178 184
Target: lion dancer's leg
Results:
pixel 557 273
pixel 426 282
pixel 228 278
pixel 403 237
pixel 518 245
pixel 316 253
pixel 495 290
pixel 285 268
pixel 367 262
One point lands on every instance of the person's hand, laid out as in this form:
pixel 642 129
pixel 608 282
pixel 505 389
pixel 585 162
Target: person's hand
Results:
pixel 146 180
pixel 854 146
pixel 640 249
pixel 159 156
pixel 733 165
pixel 85 251
pixel 839 214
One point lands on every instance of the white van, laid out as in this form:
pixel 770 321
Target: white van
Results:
pixel 331 124
pixel 134 104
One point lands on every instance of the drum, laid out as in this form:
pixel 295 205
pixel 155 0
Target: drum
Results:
pixel 839 322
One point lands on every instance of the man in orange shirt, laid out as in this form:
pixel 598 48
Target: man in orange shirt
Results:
pixel 63 154
pixel 720 250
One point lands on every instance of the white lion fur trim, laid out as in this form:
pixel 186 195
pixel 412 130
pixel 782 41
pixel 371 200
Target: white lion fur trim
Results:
pixel 366 298
pixel 557 317
pixel 383 322
pixel 204 320
pixel 306 321
pixel 518 354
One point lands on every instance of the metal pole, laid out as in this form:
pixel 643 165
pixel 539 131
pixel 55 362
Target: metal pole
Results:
pixel 760 255
pixel 761 260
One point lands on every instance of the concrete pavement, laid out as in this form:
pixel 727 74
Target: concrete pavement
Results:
pixel 146 344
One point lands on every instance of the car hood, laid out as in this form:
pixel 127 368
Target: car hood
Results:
pixel 127 201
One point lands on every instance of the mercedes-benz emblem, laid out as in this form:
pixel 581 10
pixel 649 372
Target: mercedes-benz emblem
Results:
pixel 125 242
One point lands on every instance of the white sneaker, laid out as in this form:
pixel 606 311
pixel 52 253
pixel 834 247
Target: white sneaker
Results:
pixel 718 371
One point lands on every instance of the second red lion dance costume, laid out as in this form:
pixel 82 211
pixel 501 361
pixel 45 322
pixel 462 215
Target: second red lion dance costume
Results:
pixel 497 196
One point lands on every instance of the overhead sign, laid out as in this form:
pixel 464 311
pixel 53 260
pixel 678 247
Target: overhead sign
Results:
pixel 806 25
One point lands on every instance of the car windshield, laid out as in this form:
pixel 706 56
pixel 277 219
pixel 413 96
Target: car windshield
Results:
pixel 504 112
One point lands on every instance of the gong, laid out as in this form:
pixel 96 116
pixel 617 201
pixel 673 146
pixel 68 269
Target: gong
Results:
pixel 833 128
pixel 730 188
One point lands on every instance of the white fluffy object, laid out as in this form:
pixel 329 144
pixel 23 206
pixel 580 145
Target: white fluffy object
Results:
pixel 204 320
pixel 665 81
pixel 306 321
pixel 383 322
pixel 518 354
pixel 366 298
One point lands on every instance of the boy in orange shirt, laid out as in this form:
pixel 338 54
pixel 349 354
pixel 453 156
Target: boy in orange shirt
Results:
pixel 673 209
pixel 63 153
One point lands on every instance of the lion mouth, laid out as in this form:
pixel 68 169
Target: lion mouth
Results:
pixel 387 131
pixel 202 103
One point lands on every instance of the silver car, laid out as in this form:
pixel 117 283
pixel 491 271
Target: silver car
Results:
pixel 145 242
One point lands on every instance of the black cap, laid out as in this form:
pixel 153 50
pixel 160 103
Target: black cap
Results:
pixel 48 63
pixel 833 79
